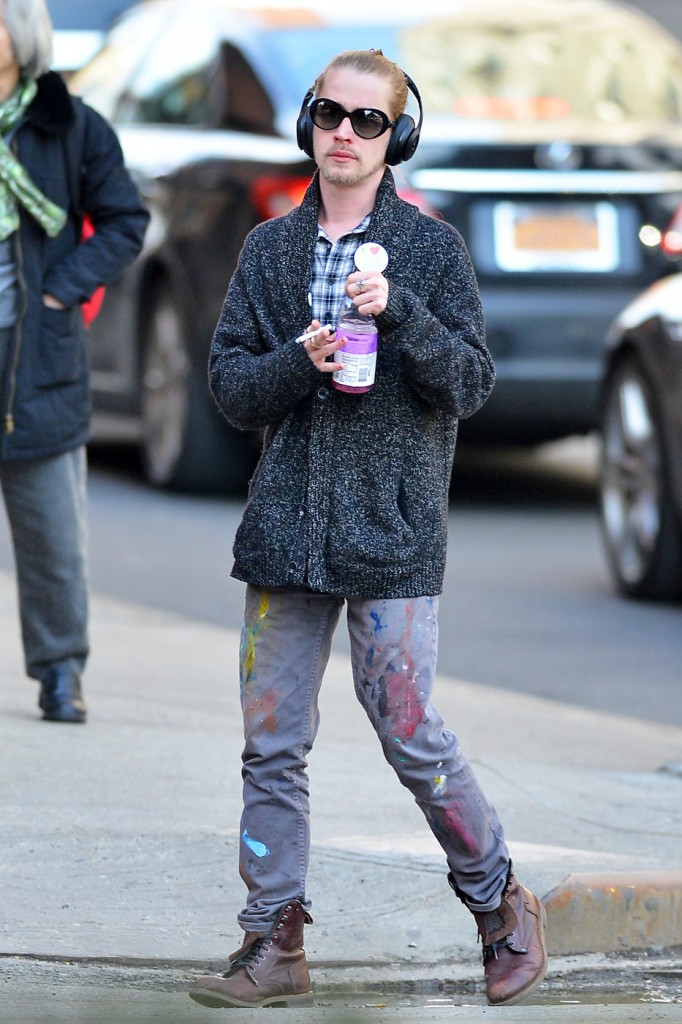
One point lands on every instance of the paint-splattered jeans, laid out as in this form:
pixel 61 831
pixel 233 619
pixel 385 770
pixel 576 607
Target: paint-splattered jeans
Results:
pixel 286 641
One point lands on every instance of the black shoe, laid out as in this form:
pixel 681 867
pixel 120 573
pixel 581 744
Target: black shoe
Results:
pixel 60 696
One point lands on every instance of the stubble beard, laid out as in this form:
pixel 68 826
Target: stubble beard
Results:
pixel 349 176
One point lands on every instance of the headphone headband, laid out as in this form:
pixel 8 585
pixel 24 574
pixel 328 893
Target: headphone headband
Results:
pixel 404 134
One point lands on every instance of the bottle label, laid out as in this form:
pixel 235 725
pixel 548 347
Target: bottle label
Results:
pixel 359 357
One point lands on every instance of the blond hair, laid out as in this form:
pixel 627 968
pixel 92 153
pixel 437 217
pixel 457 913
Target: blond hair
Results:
pixel 370 62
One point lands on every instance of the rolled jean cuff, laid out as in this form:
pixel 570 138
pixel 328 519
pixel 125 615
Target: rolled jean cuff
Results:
pixel 475 906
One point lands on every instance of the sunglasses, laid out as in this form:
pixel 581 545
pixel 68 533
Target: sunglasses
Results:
pixel 367 122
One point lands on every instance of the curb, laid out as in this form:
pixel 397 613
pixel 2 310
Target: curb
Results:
pixel 615 912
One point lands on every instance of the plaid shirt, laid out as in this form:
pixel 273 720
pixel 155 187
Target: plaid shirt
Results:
pixel 332 263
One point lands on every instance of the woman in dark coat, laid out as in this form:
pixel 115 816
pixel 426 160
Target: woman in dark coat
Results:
pixel 59 160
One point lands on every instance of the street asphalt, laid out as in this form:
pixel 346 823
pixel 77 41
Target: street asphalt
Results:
pixel 119 868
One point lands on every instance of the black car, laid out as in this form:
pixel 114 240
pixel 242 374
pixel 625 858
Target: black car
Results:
pixel 640 472
pixel 552 140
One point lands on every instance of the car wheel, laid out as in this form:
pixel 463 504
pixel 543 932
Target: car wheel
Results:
pixel 187 445
pixel 641 534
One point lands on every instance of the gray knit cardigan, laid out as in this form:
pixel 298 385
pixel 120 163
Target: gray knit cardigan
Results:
pixel 350 495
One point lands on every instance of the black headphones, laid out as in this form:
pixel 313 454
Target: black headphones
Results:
pixel 404 134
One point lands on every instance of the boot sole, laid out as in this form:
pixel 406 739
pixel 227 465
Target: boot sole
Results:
pixel 76 718
pixel 540 977
pixel 207 997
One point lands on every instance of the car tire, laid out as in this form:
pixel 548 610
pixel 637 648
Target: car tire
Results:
pixel 641 533
pixel 186 443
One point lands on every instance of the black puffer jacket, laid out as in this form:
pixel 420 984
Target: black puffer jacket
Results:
pixel 45 401
pixel 351 492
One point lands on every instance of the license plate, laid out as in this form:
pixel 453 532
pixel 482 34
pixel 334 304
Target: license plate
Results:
pixel 579 237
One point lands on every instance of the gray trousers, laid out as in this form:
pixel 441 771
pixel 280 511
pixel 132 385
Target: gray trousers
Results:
pixel 45 501
pixel 285 645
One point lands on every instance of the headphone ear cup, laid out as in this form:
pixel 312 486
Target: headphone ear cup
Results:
pixel 403 141
pixel 304 133
pixel 304 128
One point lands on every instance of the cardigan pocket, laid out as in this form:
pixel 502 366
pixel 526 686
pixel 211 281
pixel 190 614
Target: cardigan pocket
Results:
pixel 370 519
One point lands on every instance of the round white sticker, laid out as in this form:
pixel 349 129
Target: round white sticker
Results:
pixel 371 256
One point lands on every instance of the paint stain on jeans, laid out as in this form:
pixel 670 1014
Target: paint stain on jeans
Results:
pixel 260 849
pixel 260 712
pixel 250 638
pixel 448 822
pixel 403 700
pixel 439 784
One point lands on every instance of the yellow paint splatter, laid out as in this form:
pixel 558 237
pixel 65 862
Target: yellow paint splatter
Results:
pixel 254 632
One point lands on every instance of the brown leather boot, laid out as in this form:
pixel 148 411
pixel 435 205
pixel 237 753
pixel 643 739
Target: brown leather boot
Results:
pixel 268 969
pixel 514 952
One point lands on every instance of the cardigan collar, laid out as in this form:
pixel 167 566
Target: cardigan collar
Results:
pixel 383 228
pixel 310 206
pixel 382 223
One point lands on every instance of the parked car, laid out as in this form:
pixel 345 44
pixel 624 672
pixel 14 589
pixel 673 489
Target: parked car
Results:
pixel 640 472
pixel 552 140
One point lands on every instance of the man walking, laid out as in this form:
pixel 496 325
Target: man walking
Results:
pixel 349 506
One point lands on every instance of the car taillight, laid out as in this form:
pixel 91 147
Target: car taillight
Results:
pixel 273 196
pixel 671 242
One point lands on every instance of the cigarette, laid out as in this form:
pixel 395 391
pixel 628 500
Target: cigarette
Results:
pixel 311 334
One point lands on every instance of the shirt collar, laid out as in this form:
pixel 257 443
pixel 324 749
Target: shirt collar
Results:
pixel 358 230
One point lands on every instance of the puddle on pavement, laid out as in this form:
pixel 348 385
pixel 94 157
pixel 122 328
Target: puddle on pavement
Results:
pixel 648 988
pixel 80 993
pixel 397 1002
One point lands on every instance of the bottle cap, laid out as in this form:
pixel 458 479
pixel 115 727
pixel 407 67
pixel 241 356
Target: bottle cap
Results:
pixel 371 256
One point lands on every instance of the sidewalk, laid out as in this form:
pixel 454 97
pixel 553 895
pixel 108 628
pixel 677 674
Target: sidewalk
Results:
pixel 120 837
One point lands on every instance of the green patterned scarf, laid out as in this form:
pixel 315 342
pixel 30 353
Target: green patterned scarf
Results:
pixel 15 184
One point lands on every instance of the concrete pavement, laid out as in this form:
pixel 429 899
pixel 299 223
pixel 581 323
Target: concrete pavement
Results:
pixel 120 837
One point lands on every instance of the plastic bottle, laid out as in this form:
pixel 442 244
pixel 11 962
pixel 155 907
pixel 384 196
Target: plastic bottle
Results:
pixel 359 353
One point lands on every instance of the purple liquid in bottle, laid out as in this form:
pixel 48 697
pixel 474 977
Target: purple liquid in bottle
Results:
pixel 359 352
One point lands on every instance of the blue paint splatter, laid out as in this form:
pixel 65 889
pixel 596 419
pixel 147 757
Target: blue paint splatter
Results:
pixel 260 849
pixel 378 624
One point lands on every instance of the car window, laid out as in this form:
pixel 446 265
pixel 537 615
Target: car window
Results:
pixel 171 86
pixel 238 98
pixel 188 76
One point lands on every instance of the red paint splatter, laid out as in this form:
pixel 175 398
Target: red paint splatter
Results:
pixel 404 699
pixel 455 824
pixel 404 704
pixel 260 713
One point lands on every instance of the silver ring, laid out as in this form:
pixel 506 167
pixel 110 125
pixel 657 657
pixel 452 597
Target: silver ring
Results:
pixel 360 285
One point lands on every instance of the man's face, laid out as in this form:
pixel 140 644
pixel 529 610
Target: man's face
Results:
pixel 342 156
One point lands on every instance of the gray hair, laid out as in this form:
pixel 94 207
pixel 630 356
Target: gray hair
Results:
pixel 30 27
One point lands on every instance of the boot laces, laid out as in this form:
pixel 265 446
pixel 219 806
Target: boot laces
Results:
pixel 251 957
pixel 490 952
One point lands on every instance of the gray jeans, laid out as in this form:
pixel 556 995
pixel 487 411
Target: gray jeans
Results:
pixel 45 501
pixel 285 646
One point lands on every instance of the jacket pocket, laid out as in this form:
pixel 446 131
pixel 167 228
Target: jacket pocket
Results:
pixel 60 348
